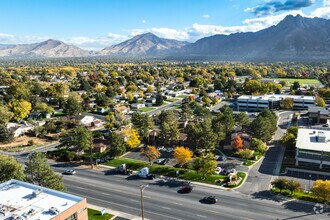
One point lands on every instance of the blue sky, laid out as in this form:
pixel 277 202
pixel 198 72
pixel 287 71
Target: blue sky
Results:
pixel 94 24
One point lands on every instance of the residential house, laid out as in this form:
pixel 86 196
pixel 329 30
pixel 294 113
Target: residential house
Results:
pixel 137 105
pixel 121 109
pixel 85 120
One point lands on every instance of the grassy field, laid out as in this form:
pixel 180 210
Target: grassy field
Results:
pixel 301 81
pixel 96 215
pixel 168 170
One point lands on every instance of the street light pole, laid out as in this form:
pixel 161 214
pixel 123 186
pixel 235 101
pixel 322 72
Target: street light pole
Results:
pixel 309 183
pixel 142 188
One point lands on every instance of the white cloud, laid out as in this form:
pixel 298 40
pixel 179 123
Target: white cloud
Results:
pixel 206 16
pixel 321 13
pixel 326 3
pixel 14 39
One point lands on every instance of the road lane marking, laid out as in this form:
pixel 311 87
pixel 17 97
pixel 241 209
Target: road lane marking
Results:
pixel 78 187
pixel 164 207
pixel 178 203
pixel 133 200
pixel 202 216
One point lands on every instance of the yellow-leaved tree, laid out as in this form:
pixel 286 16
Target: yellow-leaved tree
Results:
pixel 131 137
pixel 20 108
pixel 321 190
pixel 183 155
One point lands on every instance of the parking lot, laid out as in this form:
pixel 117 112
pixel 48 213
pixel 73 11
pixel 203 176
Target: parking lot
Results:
pixel 136 155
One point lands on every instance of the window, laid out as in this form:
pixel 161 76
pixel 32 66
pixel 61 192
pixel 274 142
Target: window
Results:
pixel 72 217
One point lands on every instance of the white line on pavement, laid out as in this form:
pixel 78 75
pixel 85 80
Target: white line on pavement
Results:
pixel 202 216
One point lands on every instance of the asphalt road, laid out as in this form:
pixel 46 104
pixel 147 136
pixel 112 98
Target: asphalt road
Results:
pixel 162 201
pixel 165 107
pixel 262 173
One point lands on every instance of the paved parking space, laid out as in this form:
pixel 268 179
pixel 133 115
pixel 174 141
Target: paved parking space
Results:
pixel 231 163
pixel 136 155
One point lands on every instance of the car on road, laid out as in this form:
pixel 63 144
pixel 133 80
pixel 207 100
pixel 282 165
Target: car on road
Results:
pixel 220 158
pixel 185 189
pixel 69 172
pixel 209 200
pixel 325 125
pixel 218 170
pixel 162 161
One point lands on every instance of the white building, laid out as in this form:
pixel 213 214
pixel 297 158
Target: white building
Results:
pixel 21 200
pixel 313 146
pixel 257 103
pixel 137 105
pixel 85 120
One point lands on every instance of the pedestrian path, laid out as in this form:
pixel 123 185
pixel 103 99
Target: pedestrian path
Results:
pixel 117 215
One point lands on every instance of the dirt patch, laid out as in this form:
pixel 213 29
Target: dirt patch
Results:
pixel 23 140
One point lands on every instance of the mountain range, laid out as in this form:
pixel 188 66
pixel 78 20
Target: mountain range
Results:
pixel 294 38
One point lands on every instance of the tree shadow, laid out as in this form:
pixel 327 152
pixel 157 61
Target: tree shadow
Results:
pixel 267 195
pixel 297 206
pixel 170 182
pixel 67 164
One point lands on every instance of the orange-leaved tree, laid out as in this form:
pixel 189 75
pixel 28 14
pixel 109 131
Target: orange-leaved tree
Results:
pixel 182 155
pixel 150 152
pixel 238 143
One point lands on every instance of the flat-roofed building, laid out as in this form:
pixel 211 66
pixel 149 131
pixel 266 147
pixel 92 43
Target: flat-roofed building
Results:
pixel 313 146
pixel 258 103
pixel 20 200
pixel 318 115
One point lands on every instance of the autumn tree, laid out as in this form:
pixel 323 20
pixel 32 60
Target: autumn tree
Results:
pixel 183 155
pixel 131 137
pixel 20 108
pixel 10 169
pixel 319 101
pixel 286 103
pixel 151 153
pixel 238 143
pixel 110 121
pixel 321 190
pixel 39 172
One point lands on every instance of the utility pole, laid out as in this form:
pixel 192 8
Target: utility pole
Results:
pixel 309 183
pixel 142 188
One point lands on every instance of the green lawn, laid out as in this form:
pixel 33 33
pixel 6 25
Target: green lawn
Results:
pixel 301 195
pixel 96 215
pixel 301 81
pixel 146 109
pixel 168 170
pixel 248 163
pixel 173 100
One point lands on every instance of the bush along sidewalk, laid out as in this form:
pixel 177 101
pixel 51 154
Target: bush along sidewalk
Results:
pixel 181 173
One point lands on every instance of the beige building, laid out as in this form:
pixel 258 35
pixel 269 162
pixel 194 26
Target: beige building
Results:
pixel 20 200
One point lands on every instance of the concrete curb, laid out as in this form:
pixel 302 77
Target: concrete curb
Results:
pixel 246 176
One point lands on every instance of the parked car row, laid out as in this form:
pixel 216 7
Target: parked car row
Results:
pixel 225 172
pixel 167 149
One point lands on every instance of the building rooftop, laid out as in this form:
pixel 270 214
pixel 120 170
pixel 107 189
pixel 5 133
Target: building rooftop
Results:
pixel 314 140
pixel 317 109
pixel 277 97
pixel 21 200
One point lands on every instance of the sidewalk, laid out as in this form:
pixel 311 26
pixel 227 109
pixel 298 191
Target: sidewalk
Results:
pixel 117 215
